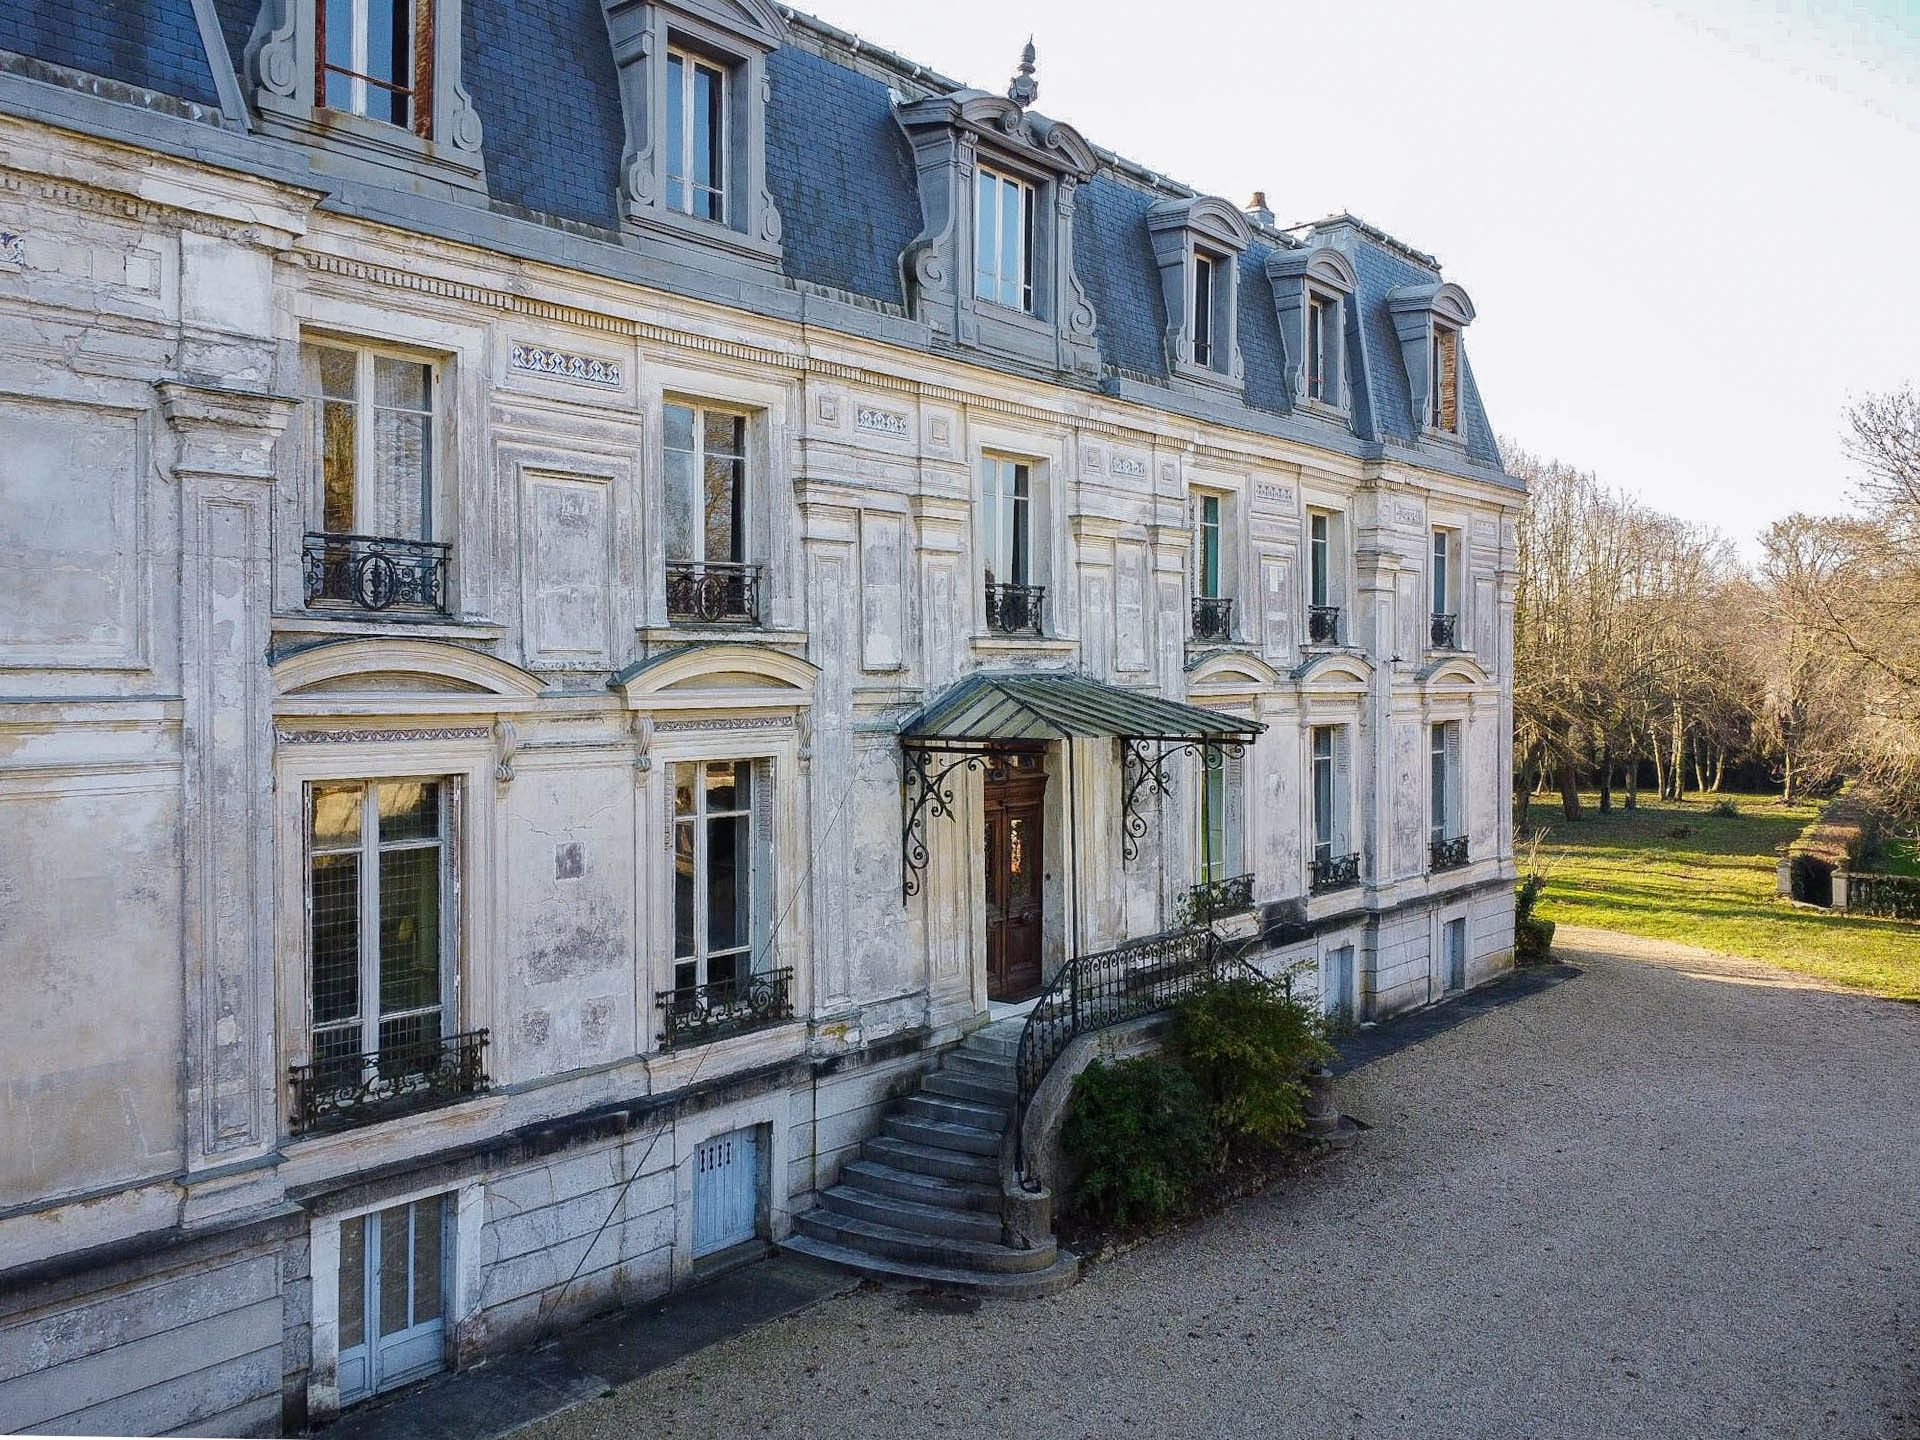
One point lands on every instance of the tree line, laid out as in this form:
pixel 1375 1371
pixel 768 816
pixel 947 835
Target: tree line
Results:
pixel 1647 651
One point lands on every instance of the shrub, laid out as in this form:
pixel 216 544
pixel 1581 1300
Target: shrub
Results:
pixel 1248 1045
pixel 1532 937
pixel 1138 1130
pixel 1726 810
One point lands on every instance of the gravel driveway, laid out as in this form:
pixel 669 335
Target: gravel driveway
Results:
pixel 1676 1196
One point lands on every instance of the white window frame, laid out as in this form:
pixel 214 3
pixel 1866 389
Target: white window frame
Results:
pixel 690 62
pixel 1005 515
pixel 365 408
pixel 759 860
pixel 997 182
pixel 1442 564
pixel 1445 794
pixel 1324 360
pixel 743 507
pixel 1224 773
pixel 359 87
pixel 1221 589
pixel 1332 844
pixel 1207 351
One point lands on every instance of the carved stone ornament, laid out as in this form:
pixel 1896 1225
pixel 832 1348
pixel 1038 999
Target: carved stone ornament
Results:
pixel 506 743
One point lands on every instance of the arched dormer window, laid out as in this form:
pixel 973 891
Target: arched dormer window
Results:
pixel 693 95
pixel 992 269
pixel 1312 296
pixel 1198 243
pixel 375 81
pixel 1428 320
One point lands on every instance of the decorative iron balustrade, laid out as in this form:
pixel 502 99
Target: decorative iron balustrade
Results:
pixel 1339 872
pixel 1323 624
pixel 1216 899
pixel 1111 987
pixel 1444 630
pixel 1448 854
pixel 1212 619
pixel 1015 609
pixel 338 1092
pixel 713 592
pixel 1891 897
pixel 375 572
pixel 697 1014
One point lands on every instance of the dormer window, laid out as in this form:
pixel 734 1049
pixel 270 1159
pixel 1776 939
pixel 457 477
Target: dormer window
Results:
pixel 372 61
pixel 1311 290
pixel 1003 240
pixel 1445 383
pixel 696 136
pixel 1428 320
pixel 1197 242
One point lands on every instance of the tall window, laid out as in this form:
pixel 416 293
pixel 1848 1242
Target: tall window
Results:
pixel 392 1288
pixel 1442 579
pixel 1007 505
pixel 1003 240
pixel 1204 277
pixel 1208 541
pixel 1322 382
pixel 378 883
pixel 1444 772
pixel 1320 559
pixel 1216 860
pixel 1325 794
pixel 706 464
pixel 718 872
pixel 372 441
pixel 1444 386
pixel 696 136
pixel 374 61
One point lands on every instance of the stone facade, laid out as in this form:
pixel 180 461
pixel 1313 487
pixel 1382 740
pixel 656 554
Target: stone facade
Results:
pixel 173 697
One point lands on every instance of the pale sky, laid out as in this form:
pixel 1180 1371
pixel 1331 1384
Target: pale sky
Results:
pixel 1691 228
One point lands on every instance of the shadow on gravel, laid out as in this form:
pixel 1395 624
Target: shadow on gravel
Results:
pixel 1363 1047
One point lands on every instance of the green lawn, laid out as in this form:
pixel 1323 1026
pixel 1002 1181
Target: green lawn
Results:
pixel 1895 857
pixel 1713 886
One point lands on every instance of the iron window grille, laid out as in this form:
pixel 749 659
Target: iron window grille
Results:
pixel 1015 609
pixel 1335 872
pixel 343 1090
pixel 713 592
pixel 1217 899
pixel 375 573
pixel 698 1014
pixel 1444 630
pixel 1212 619
pixel 1323 624
pixel 1448 854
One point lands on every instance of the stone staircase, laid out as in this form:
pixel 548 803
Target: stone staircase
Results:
pixel 923 1203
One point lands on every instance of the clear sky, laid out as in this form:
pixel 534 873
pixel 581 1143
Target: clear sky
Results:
pixel 1691 228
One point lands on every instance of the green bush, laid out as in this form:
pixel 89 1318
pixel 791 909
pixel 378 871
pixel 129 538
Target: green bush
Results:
pixel 1138 1130
pixel 1726 810
pixel 1532 937
pixel 1248 1045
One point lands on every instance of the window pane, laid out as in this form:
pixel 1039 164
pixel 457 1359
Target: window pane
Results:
pixel 429 1228
pixel 1012 223
pixel 683 782
pixel 1202 309
pixel 724 433
pixel 676 133
pixel 336 815
pixel 727 861
pixel 990 522
pixel 409 810
pixel 727 784
pixel 986 236
pixel 402 449
pixel 721 508
pixel 678 421
pixel 680 527
pixel 396 1260
pixel 710 163
pixel 353 1281
pixel 409 928
pixel 339 53
pixel 335 900
pixel 1439 572
pixel 1213 805
pixel 685 920
pixel 727 970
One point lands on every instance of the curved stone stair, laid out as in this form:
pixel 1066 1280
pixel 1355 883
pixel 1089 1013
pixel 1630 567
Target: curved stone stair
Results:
pixel 923 1201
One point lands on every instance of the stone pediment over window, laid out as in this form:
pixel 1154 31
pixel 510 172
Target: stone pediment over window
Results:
pixel 398 677
pixel 993 268
pixel 1313 291
pixel 719 678
pixel 693 97
pixel 1428 320
pixel 1197 243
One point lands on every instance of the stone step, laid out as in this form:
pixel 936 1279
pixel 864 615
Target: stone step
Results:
pixel 962 1085
pixel 938 1135
pixel 922 1189
pixel 951 1111
pixel 927 1160
pixel 977 1067
pixel 893 1243
pixel 992 1042
pixel 854 1200
pixel 1020 1285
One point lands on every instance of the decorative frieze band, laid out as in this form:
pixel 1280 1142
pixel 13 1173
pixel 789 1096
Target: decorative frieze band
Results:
pixel 882 422
pixel 380 737
pixel 745 722
pixel 529 359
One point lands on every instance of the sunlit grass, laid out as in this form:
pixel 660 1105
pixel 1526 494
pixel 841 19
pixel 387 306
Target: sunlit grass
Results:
pixel 1713 885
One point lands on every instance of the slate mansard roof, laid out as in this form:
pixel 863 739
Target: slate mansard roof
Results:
pixel 542 78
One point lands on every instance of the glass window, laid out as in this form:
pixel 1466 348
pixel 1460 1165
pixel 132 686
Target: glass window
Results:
pixel 1007 506
pixel 1208 547
pixel 1003 240
pixel 1437 771
pixel 1324 793
pixel 1442 582
pixel 1320 558
pixel 367 59
pixel 392 1280
pixel 376 888
pixel 1320 334
pixel 696 136
pixel 1214 861
pixel 706 482
pixel 1203 291
pixel 715 874
pixel 372 439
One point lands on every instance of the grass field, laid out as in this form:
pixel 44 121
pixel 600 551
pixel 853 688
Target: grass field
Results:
pixel 1713 885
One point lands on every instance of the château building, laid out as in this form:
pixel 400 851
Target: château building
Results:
pixel 596 585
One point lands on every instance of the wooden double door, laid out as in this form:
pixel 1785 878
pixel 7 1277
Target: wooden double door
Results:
pixel 1015 812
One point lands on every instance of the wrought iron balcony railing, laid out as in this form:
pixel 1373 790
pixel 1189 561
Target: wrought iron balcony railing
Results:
pixel 373 572
pixel 1336 872
pixel 338 1092
pixel 1323 624
pixel 1445 630
pixel 697 1014
pixel 1015 609
pixel 1212 619
pixel 713 592
pixel 1217 899
pixel 1448 854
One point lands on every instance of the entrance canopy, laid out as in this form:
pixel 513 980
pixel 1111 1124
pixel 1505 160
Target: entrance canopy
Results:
pixel 975 716
pixel 1030 707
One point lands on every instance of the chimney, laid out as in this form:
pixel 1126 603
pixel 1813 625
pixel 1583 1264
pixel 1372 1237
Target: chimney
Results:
pixel 1257 210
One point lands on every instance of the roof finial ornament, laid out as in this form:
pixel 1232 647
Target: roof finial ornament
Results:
pixel 1025 89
